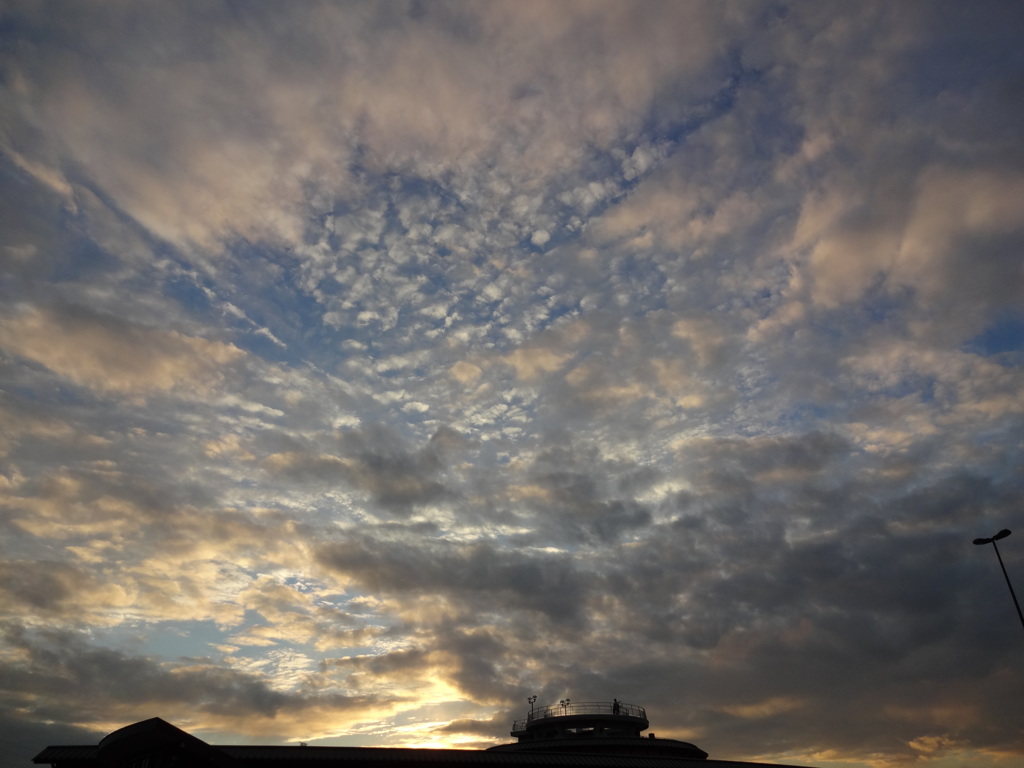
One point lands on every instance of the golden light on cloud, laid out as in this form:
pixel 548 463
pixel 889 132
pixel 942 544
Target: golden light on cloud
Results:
pixel 108 355
pixel 530 364
pixel 766 708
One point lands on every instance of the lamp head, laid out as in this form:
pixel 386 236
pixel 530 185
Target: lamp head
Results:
pixel 1001 535
pixel 983 541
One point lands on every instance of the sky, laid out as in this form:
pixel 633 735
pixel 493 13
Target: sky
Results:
pixel 369 367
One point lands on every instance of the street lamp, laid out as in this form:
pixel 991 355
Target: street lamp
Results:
pixel 532 699
pixel 992 540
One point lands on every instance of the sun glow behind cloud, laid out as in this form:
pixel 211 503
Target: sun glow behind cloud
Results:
pixel 370 367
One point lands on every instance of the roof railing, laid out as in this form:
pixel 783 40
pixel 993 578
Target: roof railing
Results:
pixel 581 708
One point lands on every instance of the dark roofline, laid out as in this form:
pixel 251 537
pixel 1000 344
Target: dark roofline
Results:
pixel 77 753
pixel 156 737
pixel 397 757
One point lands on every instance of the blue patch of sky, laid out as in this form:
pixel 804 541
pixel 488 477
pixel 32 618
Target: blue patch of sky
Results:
pixel 848 325
pixel 675 115
pixel 1003 338
pixel 82 258
pixel 251 619
pixel 31 218
pixel 645 282
pixel 184 290
pixel 803 415
pixel 292 315
pixel 263 284
pixel 302 584
pixel 264 347
pixel 166 639
pixel 921 386
pixel 973 44
pixel 412 186
pixel 13 31
pixel 562 308
pixel 881 304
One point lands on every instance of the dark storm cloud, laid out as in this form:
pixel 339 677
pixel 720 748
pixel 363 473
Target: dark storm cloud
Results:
pixel 479 574
pixel 480 656
pixel 375 461
pixel 869 606
pixel 89 679
pixel 42 585
pixel 869 624
pixel 774 457
pixel 481 727
pixel 393 475
pixel 471 657
pixel 572 496
pixel 866 618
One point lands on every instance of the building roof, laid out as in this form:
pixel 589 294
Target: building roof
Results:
pixel 245 756
pixel 156 738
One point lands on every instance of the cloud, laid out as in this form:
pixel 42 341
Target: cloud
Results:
pixel 368 368
pixel 108 355
pixel 118 684
pixel 60 664
pixel 375 462
pixel 242 154
pixel 477 573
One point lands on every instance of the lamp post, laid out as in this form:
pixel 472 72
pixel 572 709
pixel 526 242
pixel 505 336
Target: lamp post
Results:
pixel 532 699
pixel 992 540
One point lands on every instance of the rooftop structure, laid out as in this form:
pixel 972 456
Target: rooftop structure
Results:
pixel 607 727
pixel 615 715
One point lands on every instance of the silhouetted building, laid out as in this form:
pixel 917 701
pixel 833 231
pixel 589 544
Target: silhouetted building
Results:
pixel 594 727
pixel 587 735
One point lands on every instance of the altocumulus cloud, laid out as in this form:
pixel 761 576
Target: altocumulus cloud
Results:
pixel 369 367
